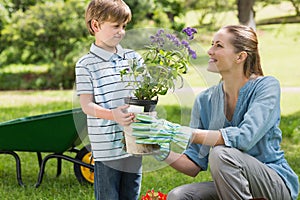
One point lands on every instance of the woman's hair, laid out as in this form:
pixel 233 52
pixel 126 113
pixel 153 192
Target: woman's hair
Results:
pixel 245 39
pixel 107 11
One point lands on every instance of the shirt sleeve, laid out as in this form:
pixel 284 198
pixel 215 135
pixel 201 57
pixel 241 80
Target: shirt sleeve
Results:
pixel 195 153
pixel 195 115
pixel 261 116
pixel 198 153
pixel 83 80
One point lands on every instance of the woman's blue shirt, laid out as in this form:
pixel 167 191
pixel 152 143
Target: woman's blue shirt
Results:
pixel 254 127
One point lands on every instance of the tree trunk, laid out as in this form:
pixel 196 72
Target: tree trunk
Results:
pixel 296 6
pixel 246 13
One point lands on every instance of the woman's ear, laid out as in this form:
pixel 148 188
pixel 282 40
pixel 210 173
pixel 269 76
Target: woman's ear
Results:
pixel 95 25
pixel 242 56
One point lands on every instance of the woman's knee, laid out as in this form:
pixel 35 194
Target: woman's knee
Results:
pixel 216 154
pixel 219 157
pixel 176 194
pixel 203 190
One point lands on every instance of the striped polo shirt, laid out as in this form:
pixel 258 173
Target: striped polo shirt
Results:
pixel 98 73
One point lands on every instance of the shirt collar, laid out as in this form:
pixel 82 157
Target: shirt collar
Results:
pixel 106 55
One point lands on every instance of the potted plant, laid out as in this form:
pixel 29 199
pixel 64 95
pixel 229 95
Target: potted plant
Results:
pixel 166 59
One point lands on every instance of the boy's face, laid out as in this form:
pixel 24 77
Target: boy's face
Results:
pixel 109 35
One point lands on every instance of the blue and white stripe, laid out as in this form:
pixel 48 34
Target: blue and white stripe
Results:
pixel 98 73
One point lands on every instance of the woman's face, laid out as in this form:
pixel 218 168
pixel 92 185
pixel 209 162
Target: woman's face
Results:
pixel 222 56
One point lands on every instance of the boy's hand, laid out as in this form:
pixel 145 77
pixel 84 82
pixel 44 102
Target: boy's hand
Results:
pixel 121 116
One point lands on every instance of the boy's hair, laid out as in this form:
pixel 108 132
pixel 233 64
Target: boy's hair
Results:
pixel 107 11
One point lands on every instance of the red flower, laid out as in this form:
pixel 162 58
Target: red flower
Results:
pixel 152 195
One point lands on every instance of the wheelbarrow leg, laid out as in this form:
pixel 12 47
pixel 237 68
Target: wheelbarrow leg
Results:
pixel 40 159
pixel 42 170
pixel 58 167
pixel 43 165
pixel 18 165
pixel 58 156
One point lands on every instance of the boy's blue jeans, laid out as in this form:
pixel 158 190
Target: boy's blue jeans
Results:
pixel 118 179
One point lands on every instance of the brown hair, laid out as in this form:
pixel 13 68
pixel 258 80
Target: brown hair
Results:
pixel 107 10
pixel 245 39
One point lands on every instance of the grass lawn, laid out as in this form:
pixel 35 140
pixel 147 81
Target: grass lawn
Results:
pixel 18 104
pixel 24 103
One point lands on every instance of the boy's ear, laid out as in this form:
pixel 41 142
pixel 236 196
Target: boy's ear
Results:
pixel 95 25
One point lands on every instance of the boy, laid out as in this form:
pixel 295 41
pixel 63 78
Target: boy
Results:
pixel 101 91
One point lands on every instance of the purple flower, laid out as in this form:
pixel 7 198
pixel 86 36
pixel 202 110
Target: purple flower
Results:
pixel 159 32
pixel 190 32
pixel 156 39
pixel 192 53
pixel 161 38
pixel 173 39
pixel 168 35
pixel 185 43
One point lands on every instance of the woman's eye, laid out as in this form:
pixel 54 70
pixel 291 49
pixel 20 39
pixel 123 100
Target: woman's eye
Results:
pixel 216 44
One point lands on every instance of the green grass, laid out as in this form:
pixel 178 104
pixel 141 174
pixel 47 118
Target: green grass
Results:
pixel 16 104
pixel 66 186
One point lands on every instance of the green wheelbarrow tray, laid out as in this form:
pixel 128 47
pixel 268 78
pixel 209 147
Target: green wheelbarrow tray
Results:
pixel 53 133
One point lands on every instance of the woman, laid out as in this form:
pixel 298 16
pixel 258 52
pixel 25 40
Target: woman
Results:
pixel 239 118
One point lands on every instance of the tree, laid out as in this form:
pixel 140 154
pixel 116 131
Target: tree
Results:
pixel 209 8
pixel 47 31
pixel 15 5
pixel 3 20
pixel 296 5
pixel 246 13
pixel 141 12
pixel 158 13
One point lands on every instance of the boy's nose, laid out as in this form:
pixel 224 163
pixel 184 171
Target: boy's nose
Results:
pixel 121 31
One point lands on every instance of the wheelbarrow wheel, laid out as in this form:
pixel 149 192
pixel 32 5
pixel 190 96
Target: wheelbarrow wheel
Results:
pixel 83 174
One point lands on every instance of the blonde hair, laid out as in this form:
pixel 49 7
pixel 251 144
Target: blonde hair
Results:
pixel 245 39
pixel 106 11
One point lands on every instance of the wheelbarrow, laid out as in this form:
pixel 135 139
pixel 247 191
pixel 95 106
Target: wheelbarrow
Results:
pixel 54 133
